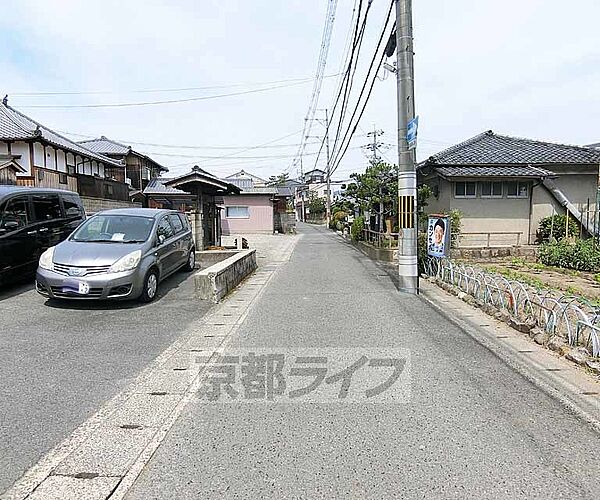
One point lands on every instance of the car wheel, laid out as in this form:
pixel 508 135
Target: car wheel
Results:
pixel 150 289
pixel 190 265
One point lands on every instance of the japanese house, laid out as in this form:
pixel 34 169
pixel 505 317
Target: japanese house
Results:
pixel 504 186
pixel 34 155
pixel 139 168
pixel 197 193
pixel 260 207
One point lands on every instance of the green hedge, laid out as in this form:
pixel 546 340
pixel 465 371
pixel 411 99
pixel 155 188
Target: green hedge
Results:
pixel 558 223
pixel 356 230
pixel 583 255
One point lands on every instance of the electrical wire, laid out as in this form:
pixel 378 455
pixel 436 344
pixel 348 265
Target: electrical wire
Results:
pixel 350 130
pixel 321 64
pixel 183 89
pixel 156 103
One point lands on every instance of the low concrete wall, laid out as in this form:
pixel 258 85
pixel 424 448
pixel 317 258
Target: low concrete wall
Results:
pixel 216 281
pixel 207 258
pixel 525 252
pixel 375 253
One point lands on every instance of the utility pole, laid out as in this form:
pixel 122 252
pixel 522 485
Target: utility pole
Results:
pixel 375 145
pixel 328 205
pixel 375 159
pixel 407 175
pixel 325 123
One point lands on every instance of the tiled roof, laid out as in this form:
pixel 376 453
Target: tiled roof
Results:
pixel 242 174
pixel 106 146
pixel 493 171
pixel 493 149
pixel 248 187
pixel 16 126
pixel 157 186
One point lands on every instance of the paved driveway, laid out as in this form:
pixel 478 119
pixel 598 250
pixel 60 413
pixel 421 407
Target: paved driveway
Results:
pixel 59 362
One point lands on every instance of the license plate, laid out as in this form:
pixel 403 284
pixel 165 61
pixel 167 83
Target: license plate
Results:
pixel 78 287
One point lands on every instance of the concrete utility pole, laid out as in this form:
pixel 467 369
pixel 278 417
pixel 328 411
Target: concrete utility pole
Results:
pixel 328 205
pixel 407 175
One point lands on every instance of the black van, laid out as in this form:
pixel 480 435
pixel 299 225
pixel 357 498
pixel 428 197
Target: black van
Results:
pixel 31 220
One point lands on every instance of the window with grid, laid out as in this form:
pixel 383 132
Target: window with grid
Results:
pixel 517 189
pixel 465 189
pixel 491 189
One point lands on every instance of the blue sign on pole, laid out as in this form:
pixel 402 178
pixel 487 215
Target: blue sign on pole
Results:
pixel 411 132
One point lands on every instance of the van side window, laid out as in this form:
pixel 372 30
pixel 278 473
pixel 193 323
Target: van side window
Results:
pixel 72 206
pixel 185 221
pixel 164 228
pixel 176 223
pixel 46 207
pixel 14 215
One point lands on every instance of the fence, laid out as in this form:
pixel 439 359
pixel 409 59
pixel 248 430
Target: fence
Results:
pixel 490 239
pixel 381 240
pixel 573 318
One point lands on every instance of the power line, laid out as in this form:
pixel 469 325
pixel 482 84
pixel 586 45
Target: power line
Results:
pixel 350 130
pixel 321 64
pixel 356 35
pixel 150 91
pixel 154 103
pixel 173 146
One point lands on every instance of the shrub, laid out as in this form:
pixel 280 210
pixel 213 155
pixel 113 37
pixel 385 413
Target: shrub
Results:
pixel 356 230
pixel 421 251
pixel 583 255
pixel 558 224
pixel 337 218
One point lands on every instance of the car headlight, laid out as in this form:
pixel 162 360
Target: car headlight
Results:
pixel 47 258
pixel 127 263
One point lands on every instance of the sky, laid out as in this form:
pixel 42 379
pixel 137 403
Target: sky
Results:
pixel 527 68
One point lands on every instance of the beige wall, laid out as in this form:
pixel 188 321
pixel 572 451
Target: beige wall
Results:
pixel 522 215
pixel 578 188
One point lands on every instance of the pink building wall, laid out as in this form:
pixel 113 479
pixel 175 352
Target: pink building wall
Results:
pixel 260 220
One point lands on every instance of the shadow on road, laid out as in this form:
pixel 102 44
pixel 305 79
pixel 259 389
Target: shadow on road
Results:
pixel 16 287
pixel 172 283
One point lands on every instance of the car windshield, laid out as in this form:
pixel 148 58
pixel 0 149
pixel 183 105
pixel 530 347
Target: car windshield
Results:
pixel 114 229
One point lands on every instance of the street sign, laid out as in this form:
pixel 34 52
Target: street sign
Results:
pixel 411 132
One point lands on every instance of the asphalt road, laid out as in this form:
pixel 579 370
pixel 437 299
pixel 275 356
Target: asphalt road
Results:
pixel 59 362
pixel 472 428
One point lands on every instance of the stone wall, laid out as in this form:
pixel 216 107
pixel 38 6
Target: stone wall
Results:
pixel 93 205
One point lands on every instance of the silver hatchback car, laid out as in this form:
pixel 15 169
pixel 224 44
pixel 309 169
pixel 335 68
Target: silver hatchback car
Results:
pixel 118 254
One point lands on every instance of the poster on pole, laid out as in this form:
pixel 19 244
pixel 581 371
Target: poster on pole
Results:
pixel 438 235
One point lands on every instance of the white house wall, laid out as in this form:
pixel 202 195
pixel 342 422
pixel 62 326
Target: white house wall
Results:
pixel 38 154
pixel 22 149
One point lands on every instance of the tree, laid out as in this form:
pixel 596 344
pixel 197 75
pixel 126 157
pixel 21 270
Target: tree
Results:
pixel 279 180
pixel 376 190
pixel 316 205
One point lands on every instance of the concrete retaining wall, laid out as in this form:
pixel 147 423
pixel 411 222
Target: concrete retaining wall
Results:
pixel 383 254
pixel 216 281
